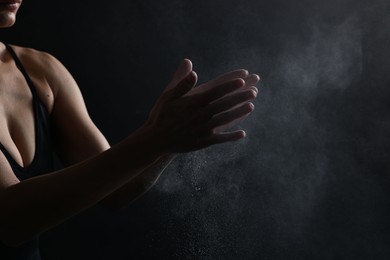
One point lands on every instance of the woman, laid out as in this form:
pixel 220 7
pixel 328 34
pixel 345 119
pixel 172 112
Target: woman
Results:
pixel 36 92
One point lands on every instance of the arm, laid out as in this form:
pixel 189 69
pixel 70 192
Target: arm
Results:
pixel 78 138
pixel 52 198
pixel 138 185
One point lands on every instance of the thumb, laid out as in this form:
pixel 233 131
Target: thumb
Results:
pixel 182 87
pixel 180 74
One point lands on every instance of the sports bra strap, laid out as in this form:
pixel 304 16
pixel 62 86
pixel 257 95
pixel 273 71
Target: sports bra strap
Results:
pixel 22 69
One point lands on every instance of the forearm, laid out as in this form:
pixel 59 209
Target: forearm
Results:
pixel 139 185
pixel 34 205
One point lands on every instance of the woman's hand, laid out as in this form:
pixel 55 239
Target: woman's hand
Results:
pixel 185 118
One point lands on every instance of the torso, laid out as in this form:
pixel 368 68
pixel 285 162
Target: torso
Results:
pixel 26 150
pixel 17 125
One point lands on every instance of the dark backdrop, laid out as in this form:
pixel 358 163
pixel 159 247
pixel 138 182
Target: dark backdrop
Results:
pixel 311 181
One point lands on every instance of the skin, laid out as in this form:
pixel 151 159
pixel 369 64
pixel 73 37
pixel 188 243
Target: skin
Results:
pixel 185 118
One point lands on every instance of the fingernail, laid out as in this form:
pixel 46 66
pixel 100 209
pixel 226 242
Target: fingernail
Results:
pixel 254 93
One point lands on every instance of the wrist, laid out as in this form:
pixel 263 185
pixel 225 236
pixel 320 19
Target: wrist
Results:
pixel 147 139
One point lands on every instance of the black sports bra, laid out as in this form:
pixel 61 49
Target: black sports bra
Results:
pixel 42 163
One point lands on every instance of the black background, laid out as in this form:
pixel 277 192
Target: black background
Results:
pixel 311 181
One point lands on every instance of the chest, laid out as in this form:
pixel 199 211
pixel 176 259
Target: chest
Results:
pixel 17 117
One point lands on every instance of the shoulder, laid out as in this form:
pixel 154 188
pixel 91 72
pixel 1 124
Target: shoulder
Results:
pixel 40 60
pixel 49 74
pixel 40 63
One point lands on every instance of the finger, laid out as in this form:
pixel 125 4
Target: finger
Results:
pixel 251 80
pixel 243 89
pixel 241 73
pixel 230 116
pixel 231 101
pixel 254 88
pixel 219 91
pixel 182 87
pixel 230 124
pixel 251 88
pixel 182 71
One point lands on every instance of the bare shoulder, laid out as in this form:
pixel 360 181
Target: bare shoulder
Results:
pixel 46 71
pixel 39 63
